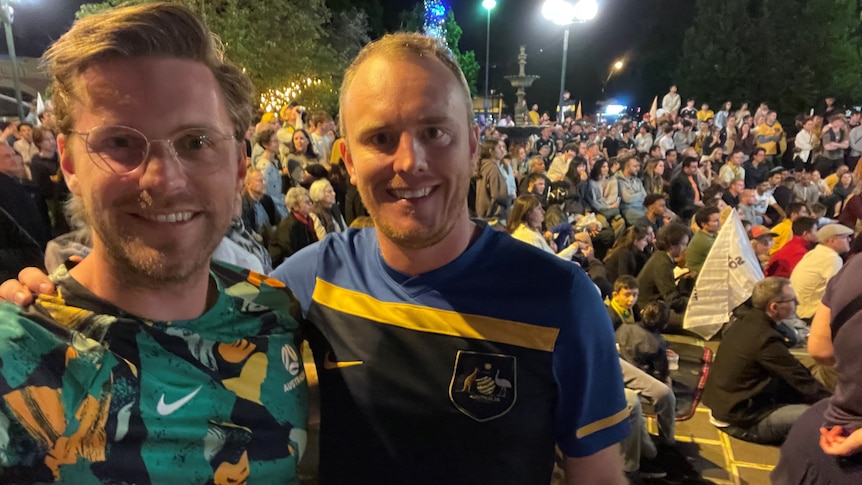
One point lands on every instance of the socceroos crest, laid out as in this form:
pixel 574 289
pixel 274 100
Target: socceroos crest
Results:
pixel 483 386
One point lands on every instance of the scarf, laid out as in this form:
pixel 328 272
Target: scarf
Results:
pixel 309 226
pixel 624 313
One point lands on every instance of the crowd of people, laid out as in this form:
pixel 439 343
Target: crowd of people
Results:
pixel 423 356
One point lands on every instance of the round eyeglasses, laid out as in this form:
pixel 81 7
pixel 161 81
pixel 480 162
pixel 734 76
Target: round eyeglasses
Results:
pixel 121 149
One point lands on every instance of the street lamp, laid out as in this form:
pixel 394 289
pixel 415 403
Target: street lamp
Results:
pixel 614 68
pixel 489 5
pixel 566 13
pixel 6 16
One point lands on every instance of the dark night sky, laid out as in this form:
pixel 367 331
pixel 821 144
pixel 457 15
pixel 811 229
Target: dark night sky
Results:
pixel 593 46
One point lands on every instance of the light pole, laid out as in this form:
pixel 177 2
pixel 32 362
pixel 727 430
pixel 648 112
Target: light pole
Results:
pixel 566 13
pixel 614 68
pixel 489 5
pixel 6 16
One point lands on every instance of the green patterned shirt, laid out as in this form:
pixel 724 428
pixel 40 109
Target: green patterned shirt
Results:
pixel 94 395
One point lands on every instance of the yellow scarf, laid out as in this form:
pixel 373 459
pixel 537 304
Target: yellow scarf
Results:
pixel 624 313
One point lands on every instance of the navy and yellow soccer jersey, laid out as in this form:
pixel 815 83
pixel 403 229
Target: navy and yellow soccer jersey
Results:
pixel 92 395
pixel 466 374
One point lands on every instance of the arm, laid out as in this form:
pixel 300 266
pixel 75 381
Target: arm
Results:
pixel 603 467
pixel 820 338
pixel 778 361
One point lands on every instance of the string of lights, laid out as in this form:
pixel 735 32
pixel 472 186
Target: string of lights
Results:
pixel 271 101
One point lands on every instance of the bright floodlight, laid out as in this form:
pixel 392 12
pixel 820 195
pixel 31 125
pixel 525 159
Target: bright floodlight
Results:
pixel 618 65
pixel 562 12
pixel 489 4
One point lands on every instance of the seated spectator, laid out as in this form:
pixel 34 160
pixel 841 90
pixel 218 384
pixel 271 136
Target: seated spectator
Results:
pixel 747 207
pixel 731 170
pixel 603 195
pixel 785 193
pixel 621 307
pixel 851 211
pixel 766 206
pixel 536 185
pixel 762 240
pixel 642 345
pixel 805 190
pixel 631 190
pixel 652 178
pixel 656 280
pixel 785 259
pixel 622 259
pixel 638 449
pixel 824 445
pixel 734 190
pixel 525 224
pixel 818 266
pixel 708 223
pixel 560 164
pixel 295 231
pixel 784 229
pixel 255 216
pixel 818 212
pixel 656 211
pixel 535 165
pixel 325 212
pixel 841 192
pixel 756 388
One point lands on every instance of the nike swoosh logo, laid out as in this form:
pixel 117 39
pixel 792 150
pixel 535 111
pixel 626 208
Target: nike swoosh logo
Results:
pixel 165 409
pixel 330 364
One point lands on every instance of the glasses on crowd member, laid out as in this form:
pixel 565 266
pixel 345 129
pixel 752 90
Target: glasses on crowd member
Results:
pixel 121 149
pixel 794 300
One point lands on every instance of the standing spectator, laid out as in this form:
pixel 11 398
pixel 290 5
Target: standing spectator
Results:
pixel 685 194
pixel 768 135
pixel 834 140
pixel 814 270
pixel 722 116
pixel 689 113
pixel 757 391
pixel 269 166
pixel 785 259
pixel 321 136
pixel 671 102
pixel 741 114
pixel 24 145
pixel 804 143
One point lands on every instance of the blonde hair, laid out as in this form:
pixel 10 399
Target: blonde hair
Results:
pixel 149 30
pixel 402 45
pixel 317 189
pixel 294 196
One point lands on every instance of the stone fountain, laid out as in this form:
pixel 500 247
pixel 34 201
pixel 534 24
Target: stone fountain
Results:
pixel 521 81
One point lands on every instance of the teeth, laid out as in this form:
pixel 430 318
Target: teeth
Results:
pixel 411 194
pixel 172 217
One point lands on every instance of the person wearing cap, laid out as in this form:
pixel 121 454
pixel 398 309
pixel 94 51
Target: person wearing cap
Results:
pixel 784 229
pixel 814 270
pixel 756 388
pixel 785 260
pixel 762 241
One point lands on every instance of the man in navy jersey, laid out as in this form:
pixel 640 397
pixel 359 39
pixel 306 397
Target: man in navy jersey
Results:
pixel 447 352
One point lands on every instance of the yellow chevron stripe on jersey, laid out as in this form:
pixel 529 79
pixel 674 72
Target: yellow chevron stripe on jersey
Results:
pixel 601 424
pixel 432 320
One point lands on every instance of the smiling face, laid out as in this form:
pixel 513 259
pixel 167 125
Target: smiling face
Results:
pixel 410 150
pixel 161 222
pixel 300 141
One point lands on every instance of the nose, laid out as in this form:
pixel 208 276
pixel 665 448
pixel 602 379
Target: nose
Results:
pixel 162 171
pixel 410 155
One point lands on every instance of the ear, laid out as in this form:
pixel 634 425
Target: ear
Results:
pixel 242 166
pixel 348 161
pixel 474 146
pixel 67 165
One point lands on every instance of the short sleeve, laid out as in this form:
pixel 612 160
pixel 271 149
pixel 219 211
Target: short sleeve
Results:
pixel 591 411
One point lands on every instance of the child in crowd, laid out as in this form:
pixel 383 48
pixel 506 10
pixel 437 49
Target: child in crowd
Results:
pixel 643 345
pixel 622 303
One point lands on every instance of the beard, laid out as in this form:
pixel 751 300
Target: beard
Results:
pixel 417 236
pixel 137 262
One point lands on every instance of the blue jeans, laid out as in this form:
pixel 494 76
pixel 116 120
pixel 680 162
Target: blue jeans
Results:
pixel 771 429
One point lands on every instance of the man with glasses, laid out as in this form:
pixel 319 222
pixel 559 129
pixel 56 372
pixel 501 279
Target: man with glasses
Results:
pixel 150 364
pixel 756 388
pixel 818 266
